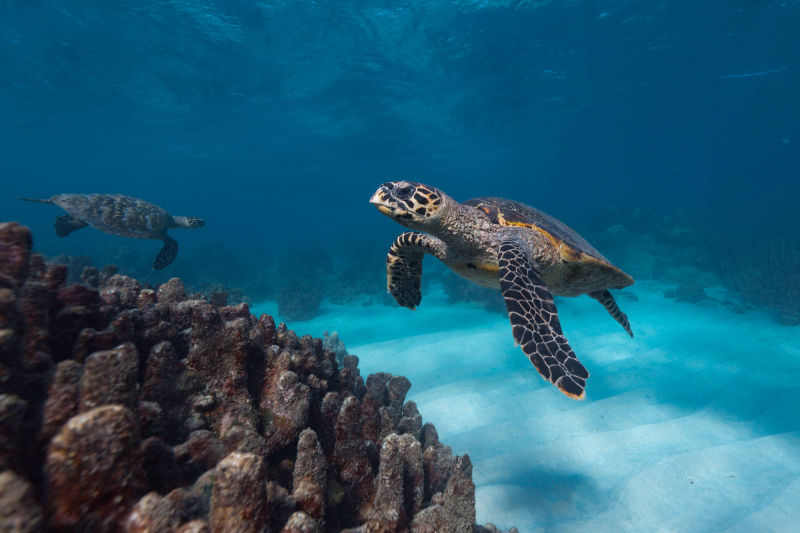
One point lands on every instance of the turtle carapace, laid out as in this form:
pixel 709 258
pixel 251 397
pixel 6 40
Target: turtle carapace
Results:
pixel 120 215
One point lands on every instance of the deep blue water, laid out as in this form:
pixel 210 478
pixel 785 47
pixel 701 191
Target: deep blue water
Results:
pixel 276 120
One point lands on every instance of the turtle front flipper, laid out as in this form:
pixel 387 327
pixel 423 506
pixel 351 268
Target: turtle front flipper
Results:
pixel 66 224
pixel 605 298
pixel 167 254
pixel 534 321
pixel 404 265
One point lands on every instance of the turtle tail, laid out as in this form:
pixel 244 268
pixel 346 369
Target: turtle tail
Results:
pixel 38 200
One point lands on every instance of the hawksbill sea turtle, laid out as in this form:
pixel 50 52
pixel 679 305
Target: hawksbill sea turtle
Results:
pixel 123 216
pixel 507 245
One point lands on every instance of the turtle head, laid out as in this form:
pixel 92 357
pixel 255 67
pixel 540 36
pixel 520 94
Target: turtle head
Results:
pixel 189 222
pixel 412 204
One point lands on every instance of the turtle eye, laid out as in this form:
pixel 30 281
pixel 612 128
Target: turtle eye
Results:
pixel 403 192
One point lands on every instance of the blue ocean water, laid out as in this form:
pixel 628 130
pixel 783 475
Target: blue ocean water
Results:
pixel 664 132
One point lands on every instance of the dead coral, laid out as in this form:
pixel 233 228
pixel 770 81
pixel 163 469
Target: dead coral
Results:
pixel 151 410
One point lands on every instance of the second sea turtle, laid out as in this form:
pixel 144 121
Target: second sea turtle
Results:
pixel 121 215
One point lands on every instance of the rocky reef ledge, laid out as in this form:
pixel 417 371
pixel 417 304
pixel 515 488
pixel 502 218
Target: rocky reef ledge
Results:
pixel 124 408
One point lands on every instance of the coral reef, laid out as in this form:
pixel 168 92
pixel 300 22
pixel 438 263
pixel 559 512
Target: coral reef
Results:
pixel 299 277
pixel 124 408
pixel 332 342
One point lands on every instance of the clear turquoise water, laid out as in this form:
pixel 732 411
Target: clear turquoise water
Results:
pixel 690 426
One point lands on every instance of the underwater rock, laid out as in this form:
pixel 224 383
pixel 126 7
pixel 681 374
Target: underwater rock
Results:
pixel 120 290
pixel 280 503
pixel 90 277
pixel 411 422
pixel 19 510
pixel 310 475
pixel 388 510
pixel 454 510
pixel 13 429
pixel 218 298
pixel 350 453
pixel 110 377
pixel 160 465
pixel 237 502
pixel 171 292
pixel 76 266
pixel 153 513
pixel 15 249
pixel 121 330
pixel 437 463
pixel 149 411
pixel 688 292
pixel 288 403
pixel 333 343
pixel 62 397
pixel 399 484
pixel 94 469
pixel 300 522
pixel 201 452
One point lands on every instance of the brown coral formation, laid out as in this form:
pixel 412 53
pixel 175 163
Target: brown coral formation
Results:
pixel 128 409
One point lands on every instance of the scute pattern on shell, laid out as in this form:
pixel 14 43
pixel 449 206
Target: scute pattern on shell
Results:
pixel 508 212
pixel 117 214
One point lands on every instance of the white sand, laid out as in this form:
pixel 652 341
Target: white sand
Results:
pixel 694 425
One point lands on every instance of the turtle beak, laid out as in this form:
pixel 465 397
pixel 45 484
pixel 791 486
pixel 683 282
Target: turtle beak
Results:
pixel 380 200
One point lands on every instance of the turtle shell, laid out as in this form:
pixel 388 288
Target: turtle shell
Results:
pixel 586 267
pixel 117 214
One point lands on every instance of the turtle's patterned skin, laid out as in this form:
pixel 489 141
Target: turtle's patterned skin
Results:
pixel 404 267
pixel 123 216
pixel 525 253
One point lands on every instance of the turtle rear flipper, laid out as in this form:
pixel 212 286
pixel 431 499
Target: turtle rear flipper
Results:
pixel 535 324
pixel 404 265
pixel 605 298
pixel 66 224
pixel 167 254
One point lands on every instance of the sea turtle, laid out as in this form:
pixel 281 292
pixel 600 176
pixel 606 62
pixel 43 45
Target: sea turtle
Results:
pixel 120 215
pixel 505 245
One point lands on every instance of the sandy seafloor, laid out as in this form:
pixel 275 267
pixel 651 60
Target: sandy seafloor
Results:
pixel 693 425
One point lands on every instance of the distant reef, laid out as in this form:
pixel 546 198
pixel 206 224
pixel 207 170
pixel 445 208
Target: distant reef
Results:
pixel 125 408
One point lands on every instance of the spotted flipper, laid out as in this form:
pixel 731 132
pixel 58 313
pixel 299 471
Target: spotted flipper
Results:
pixel 404 266
pixel 66 224
pixel 605 298
pixel 167 253
pixel 534 322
